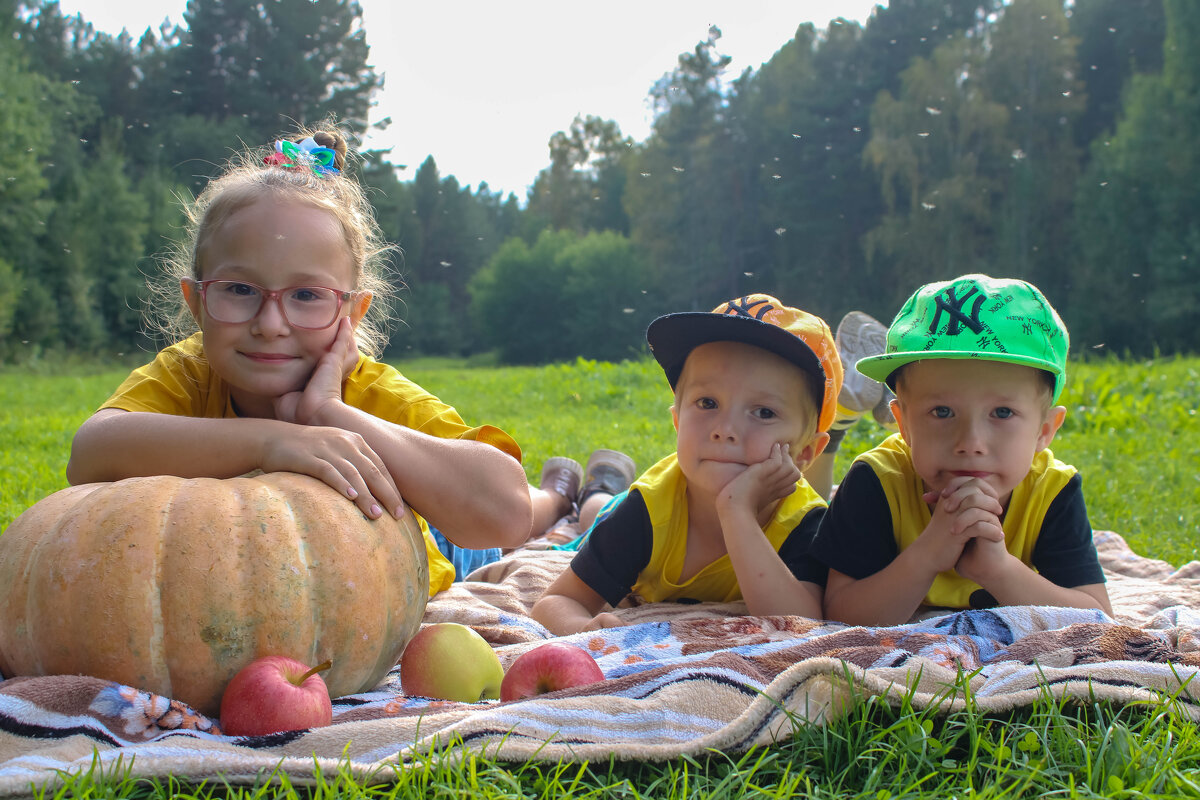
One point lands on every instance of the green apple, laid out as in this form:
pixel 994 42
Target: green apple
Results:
pixel 449 661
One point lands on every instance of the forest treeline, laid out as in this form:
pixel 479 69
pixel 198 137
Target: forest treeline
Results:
pixel 1052 141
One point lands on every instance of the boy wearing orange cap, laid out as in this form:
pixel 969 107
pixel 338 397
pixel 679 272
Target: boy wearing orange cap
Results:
pixel 728 516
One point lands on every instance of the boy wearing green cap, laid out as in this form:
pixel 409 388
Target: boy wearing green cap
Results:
pixel 965 507
pixel 728 516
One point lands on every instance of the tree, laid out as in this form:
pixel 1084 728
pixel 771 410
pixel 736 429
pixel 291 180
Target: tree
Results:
pixel 1117 39
pixel 116 218
pixel 246 70
pixel 906 30
pixel 446 233
pixel 681 185
pixel 935 148
pixel 39 123
pixel 516 300
pixel 1032 71
pixel 1138 207
pixel 567 296
pixel 803 118
pixel 26 126
pixel 582 188
pixel 268 61
pixel 609 288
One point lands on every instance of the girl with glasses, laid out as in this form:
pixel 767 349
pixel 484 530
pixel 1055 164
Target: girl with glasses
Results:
pixel 273 364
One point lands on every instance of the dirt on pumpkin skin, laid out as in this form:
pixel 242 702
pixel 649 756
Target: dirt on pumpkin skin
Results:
pixel 227 639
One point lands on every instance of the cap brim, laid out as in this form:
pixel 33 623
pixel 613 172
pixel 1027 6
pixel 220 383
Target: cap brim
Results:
pixel 881 367
pixel 673 336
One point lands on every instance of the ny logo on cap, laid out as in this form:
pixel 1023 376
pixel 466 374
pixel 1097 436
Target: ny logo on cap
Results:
pixel 954 306
pixel 752 306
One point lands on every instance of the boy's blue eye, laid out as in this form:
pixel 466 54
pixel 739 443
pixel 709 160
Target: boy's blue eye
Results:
pixel 765 413
pixel 1003 412
pixel 706 402
pixel 942 412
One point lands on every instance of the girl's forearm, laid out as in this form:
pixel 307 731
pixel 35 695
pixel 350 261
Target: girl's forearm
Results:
pixel 115 444
pixel 475 494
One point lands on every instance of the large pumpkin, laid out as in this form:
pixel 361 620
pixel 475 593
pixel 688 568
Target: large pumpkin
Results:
pixel 172 585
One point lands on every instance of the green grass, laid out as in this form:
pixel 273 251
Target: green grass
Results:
pixel 1131 429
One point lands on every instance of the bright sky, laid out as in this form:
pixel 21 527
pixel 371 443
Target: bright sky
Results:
pixel 482 85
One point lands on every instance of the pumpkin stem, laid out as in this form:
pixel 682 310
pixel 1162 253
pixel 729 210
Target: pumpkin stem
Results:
pixel 324 665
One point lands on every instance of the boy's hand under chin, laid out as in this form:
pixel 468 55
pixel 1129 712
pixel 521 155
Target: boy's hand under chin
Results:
pixel 981 559
pixel 325 384
pixel 761 485
pixel 965 510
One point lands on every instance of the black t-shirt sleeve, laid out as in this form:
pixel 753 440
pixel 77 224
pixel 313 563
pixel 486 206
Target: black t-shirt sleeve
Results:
pixel 1065 553
pixel 795 550
pixel 855 537
pixel 617 550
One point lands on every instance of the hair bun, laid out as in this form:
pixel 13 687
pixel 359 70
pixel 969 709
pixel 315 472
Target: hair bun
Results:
pixel 335 142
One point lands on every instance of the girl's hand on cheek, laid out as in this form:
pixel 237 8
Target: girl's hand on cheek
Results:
pixel 325 384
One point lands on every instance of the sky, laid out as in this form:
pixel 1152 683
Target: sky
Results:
pixel 482 85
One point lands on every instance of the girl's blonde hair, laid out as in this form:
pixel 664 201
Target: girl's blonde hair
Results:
pixel 246 179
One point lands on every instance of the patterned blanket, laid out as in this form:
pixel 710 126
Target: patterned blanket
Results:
pixel 680 679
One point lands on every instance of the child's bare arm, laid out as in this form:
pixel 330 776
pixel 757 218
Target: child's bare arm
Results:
pixel 113 444
pixel 768 585
pixel 1012 582
pixel 967 510
pixel 475 494
pixel 569 606
pixel 889 597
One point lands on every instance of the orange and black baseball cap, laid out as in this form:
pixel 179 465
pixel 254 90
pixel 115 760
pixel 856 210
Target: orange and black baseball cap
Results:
pixel 760 320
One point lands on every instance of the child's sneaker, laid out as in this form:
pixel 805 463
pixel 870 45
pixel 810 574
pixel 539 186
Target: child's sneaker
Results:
pixel 608 471
pixel 563 476
pixel 858 335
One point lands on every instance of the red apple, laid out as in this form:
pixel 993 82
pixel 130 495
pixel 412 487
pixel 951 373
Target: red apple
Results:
pixel 549 668
pixel 275 693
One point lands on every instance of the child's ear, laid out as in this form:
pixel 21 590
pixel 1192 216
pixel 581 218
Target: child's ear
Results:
pixel 810 451
pixel 675 416
pixel 898 413
pixel 191 296
pixel 1050 425
pixel 359 306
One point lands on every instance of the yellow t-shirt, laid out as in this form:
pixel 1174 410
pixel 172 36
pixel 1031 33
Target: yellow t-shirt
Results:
pixel 891 462
pixel 179 381
pixel 664 490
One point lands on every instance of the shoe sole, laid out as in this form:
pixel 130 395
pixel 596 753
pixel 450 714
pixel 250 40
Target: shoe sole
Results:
pixel 859 335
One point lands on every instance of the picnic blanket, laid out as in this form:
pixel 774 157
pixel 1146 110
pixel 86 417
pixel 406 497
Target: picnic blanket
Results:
pixel 680 679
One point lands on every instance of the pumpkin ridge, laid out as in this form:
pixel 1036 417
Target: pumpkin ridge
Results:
pixel 306 567
pixel 157 625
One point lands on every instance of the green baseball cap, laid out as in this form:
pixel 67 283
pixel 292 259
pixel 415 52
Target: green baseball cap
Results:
pixel 975 316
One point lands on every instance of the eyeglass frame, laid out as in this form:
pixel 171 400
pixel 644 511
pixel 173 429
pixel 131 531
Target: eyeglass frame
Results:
pixel 343 296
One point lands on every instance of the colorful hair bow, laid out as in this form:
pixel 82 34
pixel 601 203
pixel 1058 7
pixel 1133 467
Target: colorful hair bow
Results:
pixel 306 154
